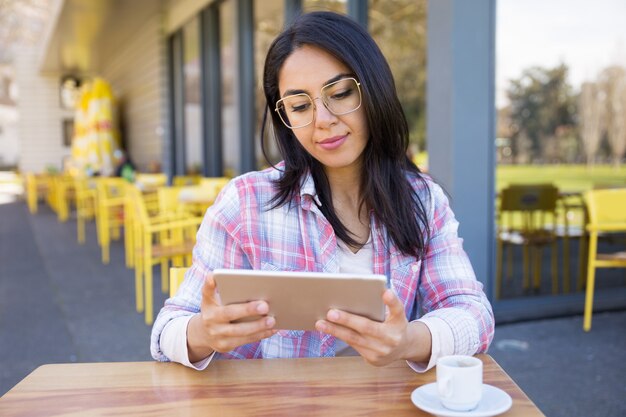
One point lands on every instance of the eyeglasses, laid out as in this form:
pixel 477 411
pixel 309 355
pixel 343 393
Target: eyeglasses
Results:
pixel 339 97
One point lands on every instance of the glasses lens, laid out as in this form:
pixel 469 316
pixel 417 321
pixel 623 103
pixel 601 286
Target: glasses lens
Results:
pixel 296 110
pixel 343 96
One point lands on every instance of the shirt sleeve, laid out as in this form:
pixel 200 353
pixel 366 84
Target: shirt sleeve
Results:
pixel 452 301
pixel 174 344
pixel 442 343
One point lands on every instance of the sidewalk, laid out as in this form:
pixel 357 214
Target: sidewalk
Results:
pixel 58 303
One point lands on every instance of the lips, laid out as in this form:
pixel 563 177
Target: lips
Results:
pixel 332 143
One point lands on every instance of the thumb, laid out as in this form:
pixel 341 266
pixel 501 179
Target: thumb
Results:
pixel 395 308
pixel 209 295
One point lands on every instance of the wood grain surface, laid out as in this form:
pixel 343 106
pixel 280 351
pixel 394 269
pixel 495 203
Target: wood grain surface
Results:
pixel 271 387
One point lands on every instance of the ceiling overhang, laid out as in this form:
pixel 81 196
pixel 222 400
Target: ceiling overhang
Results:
pixel 70 44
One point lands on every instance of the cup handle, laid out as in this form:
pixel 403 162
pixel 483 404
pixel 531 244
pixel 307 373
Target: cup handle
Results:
pixel 445 387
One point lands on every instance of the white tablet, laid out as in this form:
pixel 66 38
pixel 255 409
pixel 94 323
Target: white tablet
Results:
pixel 298 299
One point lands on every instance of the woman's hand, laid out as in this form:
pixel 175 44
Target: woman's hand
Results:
pixel 380 343
pixel 212 328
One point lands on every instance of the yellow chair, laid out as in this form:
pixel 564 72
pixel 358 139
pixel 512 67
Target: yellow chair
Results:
pixel 110 207
pixel 37 186
pixel 527 217
pixel 168 200
pixel 177 275
pixel 149 185
pixel 85 200
pixel 157 239
pixel 607 215
pixel 64 194
pixel 215 184
pixel 183 180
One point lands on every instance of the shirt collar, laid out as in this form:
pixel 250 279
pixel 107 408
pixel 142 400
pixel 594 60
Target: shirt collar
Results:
pixel 308 192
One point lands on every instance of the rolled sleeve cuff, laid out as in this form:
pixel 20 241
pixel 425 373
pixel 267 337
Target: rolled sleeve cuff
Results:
pixel 442 343
pixel 173 343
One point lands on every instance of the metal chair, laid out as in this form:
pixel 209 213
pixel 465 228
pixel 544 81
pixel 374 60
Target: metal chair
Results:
pixel 177 275
pixel 110 207
pixel 157 240
pixel 607 215
pixel 527 218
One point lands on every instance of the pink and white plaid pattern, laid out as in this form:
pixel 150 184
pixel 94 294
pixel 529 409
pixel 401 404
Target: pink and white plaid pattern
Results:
pixel 239 232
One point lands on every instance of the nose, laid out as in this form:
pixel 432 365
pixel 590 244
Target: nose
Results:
pixel 323 116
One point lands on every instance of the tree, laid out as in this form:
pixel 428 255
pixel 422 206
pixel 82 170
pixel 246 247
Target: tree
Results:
pixel 399 28
pixel 613 82
pixel 591 105
pixel 541 101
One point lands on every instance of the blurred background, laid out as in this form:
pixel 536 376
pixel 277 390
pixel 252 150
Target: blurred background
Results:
pixel 518 108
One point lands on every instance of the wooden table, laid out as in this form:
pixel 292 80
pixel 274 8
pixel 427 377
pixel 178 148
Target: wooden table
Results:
pixel 277 387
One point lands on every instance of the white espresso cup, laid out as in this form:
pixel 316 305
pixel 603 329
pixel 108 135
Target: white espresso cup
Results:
pixel 459 382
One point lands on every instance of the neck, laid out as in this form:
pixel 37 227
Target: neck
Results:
pixel 345 183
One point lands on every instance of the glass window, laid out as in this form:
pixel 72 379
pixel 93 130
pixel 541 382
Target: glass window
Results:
pixel 559 90
pixel 193 99
pixel 399 29
pixel 269 17
pixel 230 122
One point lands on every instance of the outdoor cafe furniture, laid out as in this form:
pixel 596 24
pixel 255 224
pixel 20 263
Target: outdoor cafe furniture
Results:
pixel 110 207
pixel 196 199
pixel 345 386
pixel 85 200
pixel 156 239
pixel 527 217
pixel 149 184
pixel 183 180
pixel 37 186
pixel 607 215
pixel 62 195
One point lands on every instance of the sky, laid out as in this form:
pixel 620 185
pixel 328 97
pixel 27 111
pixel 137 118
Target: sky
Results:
pixel 587 35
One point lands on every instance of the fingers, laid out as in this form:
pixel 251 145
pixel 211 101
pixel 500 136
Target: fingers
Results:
pixel 209 296
pixel 233 312
pixel 394 306
pixel 228 344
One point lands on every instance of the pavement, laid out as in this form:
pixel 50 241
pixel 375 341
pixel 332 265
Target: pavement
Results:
pixel 59 304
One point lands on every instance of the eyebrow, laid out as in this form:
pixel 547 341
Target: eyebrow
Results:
pixel 332 80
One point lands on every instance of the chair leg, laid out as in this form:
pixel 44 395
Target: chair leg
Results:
pixel 499 255
pixel 148 290
pixel 139 292
pixel 566 273
pixel 582 258
pixel 555 270
pixel 165 280
pixel 509 262
pixel 80 228
pixel 537 253
pixel 525 268
pixel 591 269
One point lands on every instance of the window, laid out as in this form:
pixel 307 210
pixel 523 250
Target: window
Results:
pixel 269 17
pixel 192 97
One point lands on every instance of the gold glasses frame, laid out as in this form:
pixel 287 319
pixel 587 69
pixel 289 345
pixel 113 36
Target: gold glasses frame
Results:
pixel 280 103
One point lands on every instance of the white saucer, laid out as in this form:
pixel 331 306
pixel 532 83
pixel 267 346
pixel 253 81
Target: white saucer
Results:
pixel 493 402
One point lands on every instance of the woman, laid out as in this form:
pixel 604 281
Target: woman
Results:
pixel 345 199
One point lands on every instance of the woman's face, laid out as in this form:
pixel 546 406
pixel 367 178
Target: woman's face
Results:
pixel 335 141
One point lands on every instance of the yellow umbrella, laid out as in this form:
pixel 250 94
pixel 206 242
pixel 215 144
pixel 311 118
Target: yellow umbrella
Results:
pixel 96 137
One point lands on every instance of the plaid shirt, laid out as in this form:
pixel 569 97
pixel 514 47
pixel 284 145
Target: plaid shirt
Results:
pixel 239 232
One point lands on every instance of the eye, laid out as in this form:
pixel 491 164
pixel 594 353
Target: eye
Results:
pixel 300 107
pixel 339 95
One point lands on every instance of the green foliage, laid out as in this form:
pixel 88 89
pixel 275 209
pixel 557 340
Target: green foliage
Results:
pixel 399 28
pixel 542 102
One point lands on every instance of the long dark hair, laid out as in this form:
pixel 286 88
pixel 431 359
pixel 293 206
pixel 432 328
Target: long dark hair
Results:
pixel 386 189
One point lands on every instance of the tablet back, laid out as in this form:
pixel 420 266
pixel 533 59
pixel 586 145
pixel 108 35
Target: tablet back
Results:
pixel 298 299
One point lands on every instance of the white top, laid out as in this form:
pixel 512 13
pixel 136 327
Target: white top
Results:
pixel 174 336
